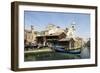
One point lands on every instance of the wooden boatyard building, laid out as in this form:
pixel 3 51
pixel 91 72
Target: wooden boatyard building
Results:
pixel 56 39
pixel 54 36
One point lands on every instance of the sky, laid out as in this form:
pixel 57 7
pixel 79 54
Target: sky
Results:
pixel 40 20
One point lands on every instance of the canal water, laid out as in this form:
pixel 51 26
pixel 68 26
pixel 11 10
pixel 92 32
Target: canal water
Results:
pixel 85 54
pixel 50 56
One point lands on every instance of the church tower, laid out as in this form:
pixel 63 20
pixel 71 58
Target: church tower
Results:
pixel 32 28
pixel 71 30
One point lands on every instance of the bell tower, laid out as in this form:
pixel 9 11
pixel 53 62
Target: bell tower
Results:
pixel 32 28
pixel 73 26
pixel 71 30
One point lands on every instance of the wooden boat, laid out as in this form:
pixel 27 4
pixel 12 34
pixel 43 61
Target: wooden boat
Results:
pixel 62 50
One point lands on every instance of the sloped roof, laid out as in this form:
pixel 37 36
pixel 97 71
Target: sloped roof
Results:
pixel 54 34
pixel 66 39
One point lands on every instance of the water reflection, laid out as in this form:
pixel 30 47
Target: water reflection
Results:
pixel 85 53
